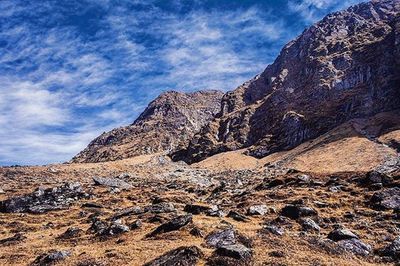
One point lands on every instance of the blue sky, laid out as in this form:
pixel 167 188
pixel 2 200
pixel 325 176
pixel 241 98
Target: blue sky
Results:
pixel 70 70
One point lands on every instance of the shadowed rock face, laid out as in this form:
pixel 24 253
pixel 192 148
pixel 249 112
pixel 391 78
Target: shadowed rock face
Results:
pixel 168 122
pixel 343 67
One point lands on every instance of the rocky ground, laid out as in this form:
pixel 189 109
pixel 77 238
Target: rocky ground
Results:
pixel 149 210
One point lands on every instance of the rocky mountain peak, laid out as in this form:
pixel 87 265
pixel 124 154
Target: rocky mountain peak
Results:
pixel 168 122
pixel 343 67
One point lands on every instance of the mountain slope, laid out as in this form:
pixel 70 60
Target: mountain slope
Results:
pixel 167 123
pixel 345 66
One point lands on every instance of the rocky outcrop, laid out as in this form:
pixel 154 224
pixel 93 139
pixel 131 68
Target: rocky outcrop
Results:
pixel 168 123
pixel 345 66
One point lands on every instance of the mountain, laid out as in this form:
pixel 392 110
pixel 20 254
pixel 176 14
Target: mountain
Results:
pixel 346 66
pixel 168 122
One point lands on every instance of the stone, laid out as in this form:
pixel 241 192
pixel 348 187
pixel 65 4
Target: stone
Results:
pixel 197 208
pixel 161 207
pixel 309 224
pixel 392 250
pixel 44 200
pixel 172 225
pixel 127 212
pixel 297 211
pixel 257 210
pixel 195 231
pixel 221 238
pixel 237 216
pixel 274 230
pixel 51 257
pixel 236 251
pixel 215 211
pixel 355 246
pixel 71 232
pixel 104 229
pixel 135 225
pixel 112 182
pixel 341 234
pixel 18 237
pixel 182 256
pixel 92 205
pixel 386 199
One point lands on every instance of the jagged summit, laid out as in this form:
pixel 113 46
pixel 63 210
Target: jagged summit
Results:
pixel 168 122
pixel 345 66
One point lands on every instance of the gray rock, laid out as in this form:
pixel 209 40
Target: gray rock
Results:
pixel 237 216
pixel 257 210
pixel 161 207
pixel 135 225
pixel 392 250
pixel 51 257
pixel 355 246
pixel 127 212
pixel 309 224
pixel 341 234
pixel 386 199
pixel 221 238
pixel 182 256
pixel 18 237
pixel 215 211
pixel 44 200
pixel 274 230
pixel 197 208
pixel 297 211
pixel 112 182
pixel 172 225
pixel 71 232
pixel 236 251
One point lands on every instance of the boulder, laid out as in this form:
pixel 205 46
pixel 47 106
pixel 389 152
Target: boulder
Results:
pixel 182 256
pixel 161 207
pixel 309 224
pixel 257 210
pixel 297 211
pixel 237 216
pixel 355 246
pixel 44 200
pixel 341 234
pixel 172 225
pixel 222 238
pixel 387 199
pixel 392 250
pixel 51 257
pixel 197 208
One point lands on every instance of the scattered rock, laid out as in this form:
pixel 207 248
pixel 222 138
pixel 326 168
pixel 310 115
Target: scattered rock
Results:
pixel 238 252
pixel 355 246
pixel 182 256
pixel 257 210
pixel 135 225
pixel 161 207
pixel 112 182
pixel 101 228
pixel 197 208
pixel 172 225
pixel 18 237
pixel 71 232
pixel 297 211
pixel 309 224
pixel 215 211
pixel 127 212
pixel 221 238
pixel 51 257
pixel 44 200
pixel 238 217
pixel 274 230
pixel 386 199
pixel 392 250
pixel 195 231
pixel 341 234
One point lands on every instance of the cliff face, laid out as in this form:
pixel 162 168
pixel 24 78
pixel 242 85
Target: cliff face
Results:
pixel 343 67
pixel 168 123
